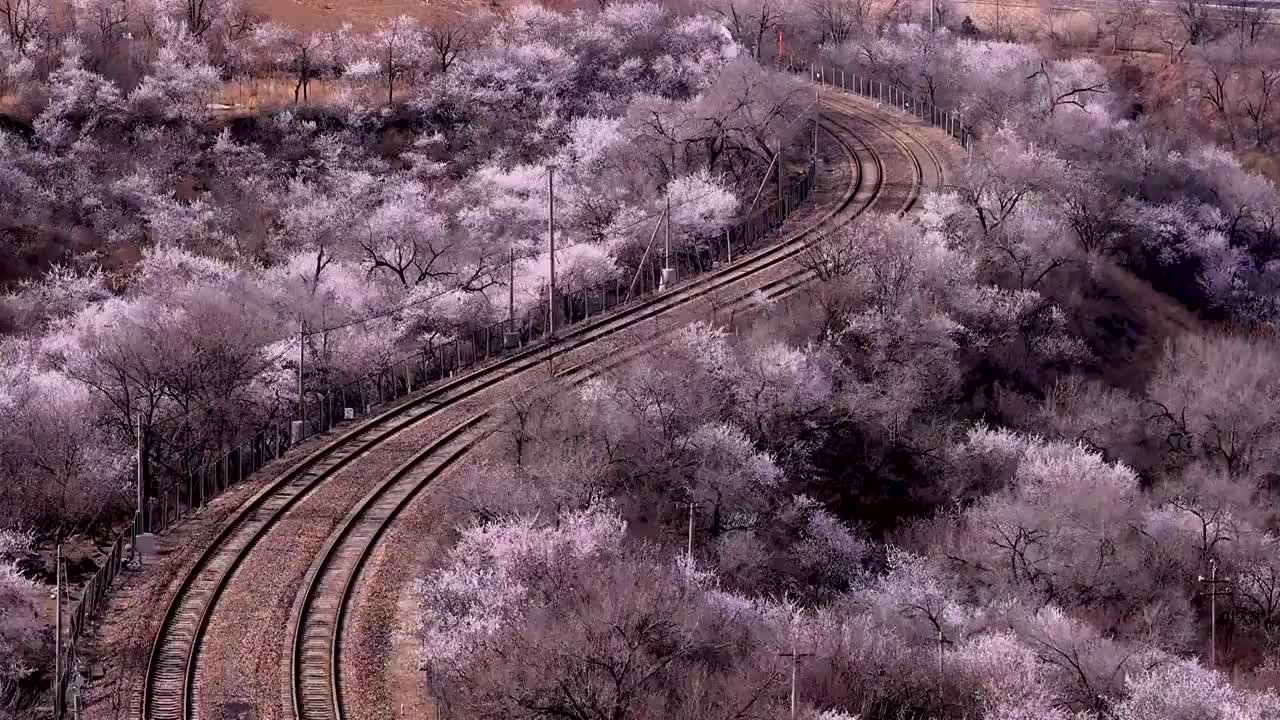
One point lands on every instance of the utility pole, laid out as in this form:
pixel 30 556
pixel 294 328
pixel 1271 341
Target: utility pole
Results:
pixel 511 338
pixel 302 356
pixel 666 250
pixel 781 209
pixel 551 241
pixel 932 15
pixel 689 550
pixel 795 665
pixel 942 641
pixel 144 524
pixel 1213 581
pixel 668 274
pixel 57 638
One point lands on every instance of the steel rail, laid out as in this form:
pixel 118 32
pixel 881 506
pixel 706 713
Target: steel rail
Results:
pixel 169 688
pixel 315 674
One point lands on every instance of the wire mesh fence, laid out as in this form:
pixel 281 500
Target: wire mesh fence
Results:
pixel 327 406
pixel 838 77
pixel 92 596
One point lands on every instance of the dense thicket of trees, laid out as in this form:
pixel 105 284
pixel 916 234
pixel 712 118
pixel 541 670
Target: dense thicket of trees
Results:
pixel 933 475
pixel 159 255
pixel 959 477
pixel 161 258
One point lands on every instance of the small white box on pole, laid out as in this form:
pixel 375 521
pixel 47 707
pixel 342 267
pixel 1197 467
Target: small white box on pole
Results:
pixel 295 432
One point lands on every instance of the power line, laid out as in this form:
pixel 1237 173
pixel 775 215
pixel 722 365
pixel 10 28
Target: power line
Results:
pixel 538 253
pixel 291 347
pixel 526 256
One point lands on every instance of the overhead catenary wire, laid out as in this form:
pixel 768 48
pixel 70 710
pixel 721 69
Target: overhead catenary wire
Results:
pixel 295 339
pixel 517 257
pixel 289 349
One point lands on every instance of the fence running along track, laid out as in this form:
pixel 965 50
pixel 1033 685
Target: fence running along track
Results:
pixel 433 364
pixel 438 361
pixel 893 95
pixel 316 652
pixel 317 629
pixel 318 680
pixel 319 616
pixel 169 690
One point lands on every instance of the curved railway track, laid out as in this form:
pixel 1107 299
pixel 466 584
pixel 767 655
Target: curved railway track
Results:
pixel 171 687
pixel 317 624
pixel 318 630
pixel 904 140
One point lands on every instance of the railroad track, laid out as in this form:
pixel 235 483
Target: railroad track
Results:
pixel 319 618
pixel 903 140
pixel 171 687
pixel 318 631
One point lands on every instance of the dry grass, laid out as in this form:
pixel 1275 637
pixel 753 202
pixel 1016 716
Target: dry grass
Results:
pixel 363 14
pixel 329 14
pixel 1029 24
pixel 248 96
pixel 1262 162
